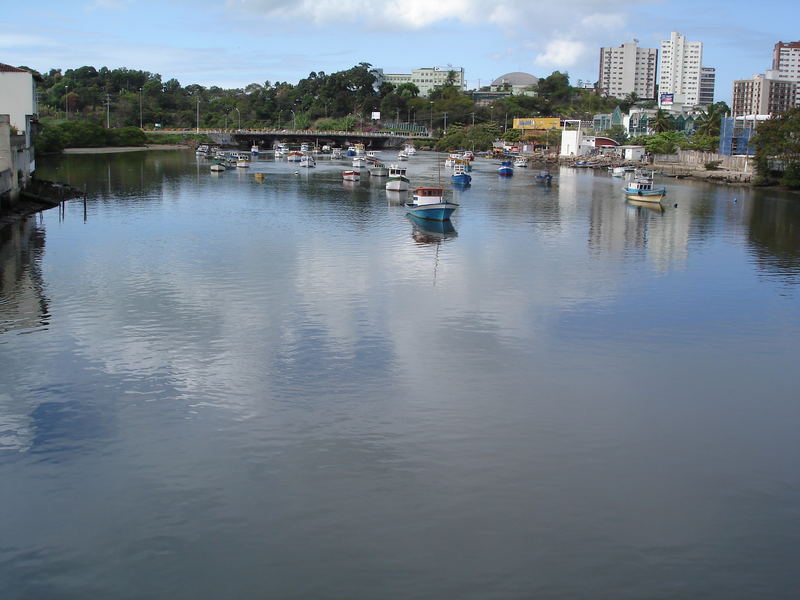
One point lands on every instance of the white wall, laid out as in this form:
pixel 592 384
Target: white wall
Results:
pixel 17 97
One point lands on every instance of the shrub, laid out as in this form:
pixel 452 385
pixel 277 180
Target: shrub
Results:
pixel 713 165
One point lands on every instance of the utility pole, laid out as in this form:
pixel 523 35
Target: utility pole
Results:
pixel 108 111
pixel 66 106
pixel 444 130
pixel 140 108
pixel 198 116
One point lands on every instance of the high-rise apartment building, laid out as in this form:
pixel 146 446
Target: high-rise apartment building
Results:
pixel 708 76
pixel 680 65
pixel 764 94
pixel 628 69
pixel 786 64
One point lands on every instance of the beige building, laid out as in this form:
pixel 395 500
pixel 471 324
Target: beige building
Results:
pixel 764 94
pixel 628 69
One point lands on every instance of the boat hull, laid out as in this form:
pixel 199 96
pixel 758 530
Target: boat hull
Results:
pixel 462 179
pixel 378 172
pixel 433 212
pixel 397 185
pixel 645 195
pixel 351 176
pixel 505 171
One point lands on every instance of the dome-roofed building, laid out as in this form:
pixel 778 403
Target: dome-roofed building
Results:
pixel 516 83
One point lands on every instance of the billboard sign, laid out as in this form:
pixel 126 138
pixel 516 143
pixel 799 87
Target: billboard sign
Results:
pixel 376 116
pixel 667 98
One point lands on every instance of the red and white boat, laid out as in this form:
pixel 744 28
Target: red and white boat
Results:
pixel 351 175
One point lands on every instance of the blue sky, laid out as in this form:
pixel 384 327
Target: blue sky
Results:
pixel 231 43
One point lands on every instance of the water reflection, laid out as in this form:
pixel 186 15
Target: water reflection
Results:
pixel 426 231
pixel 23 304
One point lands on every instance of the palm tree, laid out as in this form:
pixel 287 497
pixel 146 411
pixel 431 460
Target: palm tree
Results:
pixel 710 120
pixel 661 121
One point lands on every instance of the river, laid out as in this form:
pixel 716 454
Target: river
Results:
pixel 215 387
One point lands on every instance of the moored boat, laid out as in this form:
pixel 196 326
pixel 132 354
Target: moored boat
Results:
pixel 506 169
pixel 544 177
pixel 378 170
pixel 643 190
pixel 255 150
pixel 243 161
pixel 460 176
pixel 308 161
pixel 351 175
pixel 520 161
pixel 294 156
pixel 429 203
pixel 217 167
pixel 398 182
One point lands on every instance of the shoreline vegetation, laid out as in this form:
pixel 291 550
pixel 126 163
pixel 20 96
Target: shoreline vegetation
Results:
pixel 117 149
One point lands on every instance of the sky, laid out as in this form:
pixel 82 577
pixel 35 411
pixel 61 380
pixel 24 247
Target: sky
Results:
pixel 231 43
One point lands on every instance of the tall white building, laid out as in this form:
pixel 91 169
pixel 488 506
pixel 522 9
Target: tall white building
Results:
pixel 628 69
pixel 426 78
pixel 680 66
pixel 786 64
pixel 708 79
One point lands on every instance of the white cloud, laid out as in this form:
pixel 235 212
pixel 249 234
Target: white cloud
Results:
pixel 561 53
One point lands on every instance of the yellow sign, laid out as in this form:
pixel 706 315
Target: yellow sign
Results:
pixel 537 123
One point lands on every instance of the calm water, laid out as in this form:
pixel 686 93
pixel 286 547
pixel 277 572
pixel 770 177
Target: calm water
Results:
pixel 218 388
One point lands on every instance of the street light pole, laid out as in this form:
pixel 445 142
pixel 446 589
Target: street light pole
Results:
pixel 431 119
pixel 445 123
pixel 294 120
pixel 240 116
pixel 198 115
pixel 140 108
pixel 66 106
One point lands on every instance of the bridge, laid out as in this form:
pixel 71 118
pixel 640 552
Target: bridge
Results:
pixel 268 137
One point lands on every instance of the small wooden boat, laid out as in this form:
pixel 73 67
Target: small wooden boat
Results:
pixel 429 203
pixel 398 182
pixel 351 175
pixel 506 169
pixel 643 190
pixel 460 175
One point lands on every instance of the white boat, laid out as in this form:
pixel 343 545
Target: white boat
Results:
pixel 360 150
pixel 450 161
pixel 294 156
pixel 304 147
pixel 398 182
pixel 360 162
pixel 410 150
pixel 378 170
pixel 429 203
pixel 243 162
pixel 217 167
pixel 520 161
pixel 308 161
pixel 351 175
pixel 372 153
pixel 254 150
pixel 202 150
pixel 337 153
pixel 402 155
pixel 617 171
pixel 281 150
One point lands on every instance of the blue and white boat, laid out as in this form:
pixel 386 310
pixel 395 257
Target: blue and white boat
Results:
pixel 255 150
pixel 429 203
pixel 643 190
pixel 460 175
pixel 506 169
pixel 544 177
